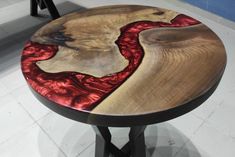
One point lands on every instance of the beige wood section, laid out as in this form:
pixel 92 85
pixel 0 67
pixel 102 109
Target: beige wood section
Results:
pixel 87 39
pixel 179 64
pixel 71 60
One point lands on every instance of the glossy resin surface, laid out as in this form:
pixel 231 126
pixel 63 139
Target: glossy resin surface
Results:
pixel 123 60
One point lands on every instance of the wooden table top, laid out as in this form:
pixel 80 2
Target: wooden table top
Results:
pixel 120 63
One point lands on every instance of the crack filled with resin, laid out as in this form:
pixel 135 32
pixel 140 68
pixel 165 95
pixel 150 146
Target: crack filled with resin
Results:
pixel 82 91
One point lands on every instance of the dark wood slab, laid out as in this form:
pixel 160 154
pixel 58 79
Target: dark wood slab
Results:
pixel 123 65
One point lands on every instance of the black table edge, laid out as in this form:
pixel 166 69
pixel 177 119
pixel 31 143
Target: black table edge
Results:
pixel 125 121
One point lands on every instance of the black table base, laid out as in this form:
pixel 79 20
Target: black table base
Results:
pixel 43 4
pixel 134 148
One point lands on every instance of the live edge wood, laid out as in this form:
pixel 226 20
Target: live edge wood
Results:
pixel 180 69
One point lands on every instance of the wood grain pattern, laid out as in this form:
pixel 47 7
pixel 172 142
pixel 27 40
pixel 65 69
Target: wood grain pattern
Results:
pixel 88 38
pixel 179 63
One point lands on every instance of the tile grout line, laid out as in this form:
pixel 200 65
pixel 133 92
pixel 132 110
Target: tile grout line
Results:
pixel 210 114
pixel 51 139
pixel 9 92
pixel 31 124
pixel 181 148
pixel 219 131
pixel 198 128
pixel 17 133
pixel 206 121
pixel 85 148
pixel 36 122
pixel 199 117
pixel 214 110
pixel 211 125
pixel 194 133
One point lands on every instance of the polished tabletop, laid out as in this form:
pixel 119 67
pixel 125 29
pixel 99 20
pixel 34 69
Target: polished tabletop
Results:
pixel 123 65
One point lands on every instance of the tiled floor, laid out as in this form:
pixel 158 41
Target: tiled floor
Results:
pixel 6 3
pixel 28 129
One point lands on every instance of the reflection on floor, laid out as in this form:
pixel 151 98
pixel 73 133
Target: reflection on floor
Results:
pixel 28 129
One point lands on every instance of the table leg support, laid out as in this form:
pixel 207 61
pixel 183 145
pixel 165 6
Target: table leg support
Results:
pixel 52 8
pixel 137 141
pixel 49 4
pixel 103 137
pixel 134 148
pixel 33 8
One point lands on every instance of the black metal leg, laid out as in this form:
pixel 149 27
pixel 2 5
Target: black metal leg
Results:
pixel 137 141
pixel 52 8
pixel 43 3
pixel 103 137
pixel 135 147
pixel 33 8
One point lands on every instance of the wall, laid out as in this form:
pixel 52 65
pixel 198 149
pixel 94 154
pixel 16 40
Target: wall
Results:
pixel 224 8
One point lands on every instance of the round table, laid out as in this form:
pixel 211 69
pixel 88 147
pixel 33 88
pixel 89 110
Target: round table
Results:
pixel 123 66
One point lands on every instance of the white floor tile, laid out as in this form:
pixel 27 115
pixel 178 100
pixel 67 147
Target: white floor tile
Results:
pixel 168 138
pixel 229 98
pixel 3 90
pixel 4 3
pixel 15 66
pixel 13 80
pixel 15 1
pixel 25 97
pixel 71 136
pixel 12 118
pixel 120 136
pixel 223 118
pixel 187 124
pixel 89 152
pixel 209 143
pixel 190 150
pixel 164 139
pixel 206 109
pixel 31 142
